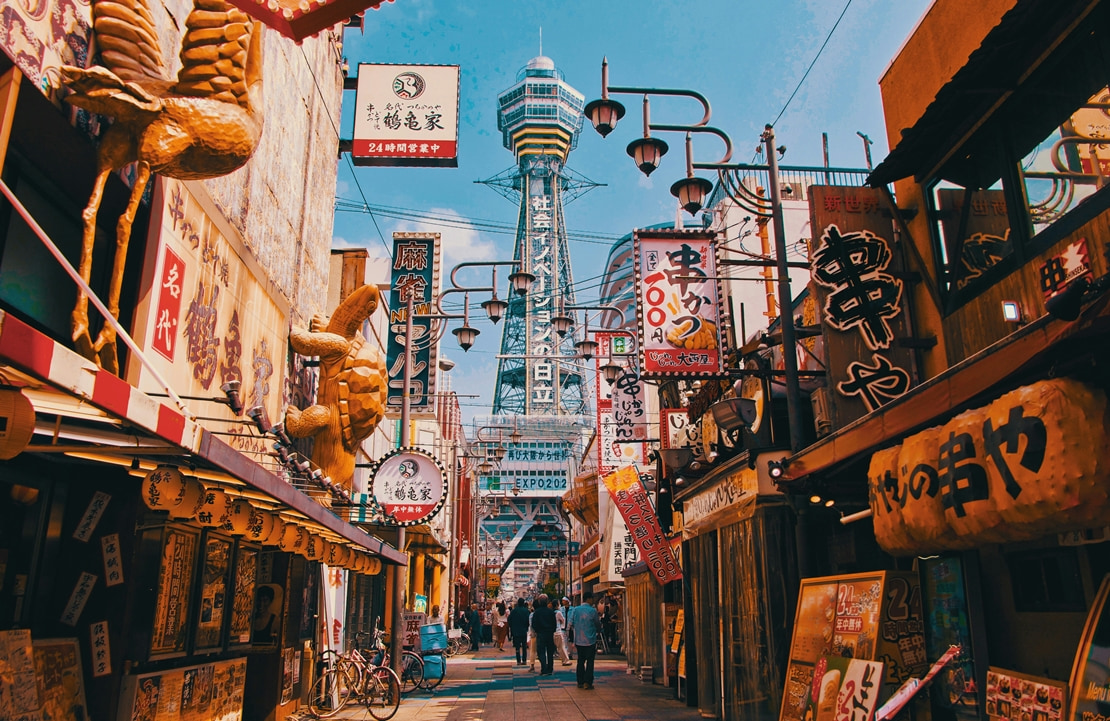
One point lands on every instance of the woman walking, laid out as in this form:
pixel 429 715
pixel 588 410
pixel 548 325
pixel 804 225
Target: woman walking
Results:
pixel 500 625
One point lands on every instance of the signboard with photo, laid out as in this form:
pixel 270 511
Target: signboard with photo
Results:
pixel 1013 696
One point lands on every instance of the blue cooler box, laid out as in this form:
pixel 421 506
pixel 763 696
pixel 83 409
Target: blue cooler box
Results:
pixel 433 638
pixel 435 666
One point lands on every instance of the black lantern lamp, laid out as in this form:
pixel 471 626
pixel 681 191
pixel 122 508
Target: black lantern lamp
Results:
pixel 604 113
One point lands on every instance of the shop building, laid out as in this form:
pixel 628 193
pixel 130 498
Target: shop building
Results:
pixel 158 550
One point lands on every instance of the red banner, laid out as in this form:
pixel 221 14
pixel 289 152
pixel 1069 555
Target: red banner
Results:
pixel 632 500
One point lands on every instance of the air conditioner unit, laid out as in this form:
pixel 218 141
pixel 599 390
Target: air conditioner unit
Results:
pixel 822 411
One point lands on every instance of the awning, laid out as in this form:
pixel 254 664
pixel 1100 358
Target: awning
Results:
pixel 421 539
pixel 95 416
pixel 957 120
pixel 972 380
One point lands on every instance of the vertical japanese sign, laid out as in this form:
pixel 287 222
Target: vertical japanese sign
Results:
pixel 541 346
pixel 635 507
pixel 678 303
pixel 621 408
pixel 407 115
pixel 845 689
pixel 672 427
pixel 207 315
pixel 859 300
pixel 619 550
pixel 415 274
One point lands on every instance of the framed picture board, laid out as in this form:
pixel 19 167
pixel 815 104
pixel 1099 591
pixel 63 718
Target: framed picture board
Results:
pixel 214 597
pixel 242 604
pixel 175 582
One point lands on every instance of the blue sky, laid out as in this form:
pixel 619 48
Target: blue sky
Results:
pixel 745 57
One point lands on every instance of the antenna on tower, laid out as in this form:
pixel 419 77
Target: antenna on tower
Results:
pixel 541 39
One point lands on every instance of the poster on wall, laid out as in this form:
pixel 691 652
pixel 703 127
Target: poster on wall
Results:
pixel 18 690
pixel 208 692
pixel 246 567
pixel 289 660
pixel 948 620
pixel 1013 696
pixel 213 592
pixel 61 686
pixel 174 583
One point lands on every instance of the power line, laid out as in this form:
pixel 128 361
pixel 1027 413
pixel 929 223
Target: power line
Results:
pixel 819 51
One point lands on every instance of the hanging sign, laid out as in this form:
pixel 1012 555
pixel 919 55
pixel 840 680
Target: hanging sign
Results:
pixel 632 500
pixel 415 273
pixel 407 115
pixel 1015 470
pixel 858 294
pixel 678 302
pixel 410 485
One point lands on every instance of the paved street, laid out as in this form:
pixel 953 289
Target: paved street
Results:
pixel 489 686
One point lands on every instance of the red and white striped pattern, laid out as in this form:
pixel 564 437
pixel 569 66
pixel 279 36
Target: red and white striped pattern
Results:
pixel 37 354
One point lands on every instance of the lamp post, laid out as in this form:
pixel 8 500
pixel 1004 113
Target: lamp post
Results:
pixel 521 283
pixel 692 192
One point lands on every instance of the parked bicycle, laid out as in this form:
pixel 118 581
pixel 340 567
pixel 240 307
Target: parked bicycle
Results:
pixel 412 666
pixel 457 641
pixel 351 681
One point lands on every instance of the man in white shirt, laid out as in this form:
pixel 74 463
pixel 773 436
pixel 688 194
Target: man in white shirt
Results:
pixel 561 631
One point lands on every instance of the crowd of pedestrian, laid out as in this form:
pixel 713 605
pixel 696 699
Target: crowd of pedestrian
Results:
pixel 541 631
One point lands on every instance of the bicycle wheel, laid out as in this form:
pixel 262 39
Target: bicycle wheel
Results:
pixel 434 677
pixel 412 672
pixel 330 692
pixel 380 697
pixel 464 643
pixel 452 647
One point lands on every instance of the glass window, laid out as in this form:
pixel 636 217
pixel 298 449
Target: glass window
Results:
pixel 1069 165
pixel 973 230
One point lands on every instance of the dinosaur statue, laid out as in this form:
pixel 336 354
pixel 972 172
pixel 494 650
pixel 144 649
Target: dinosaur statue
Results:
pixel 205 124
pixel 351 398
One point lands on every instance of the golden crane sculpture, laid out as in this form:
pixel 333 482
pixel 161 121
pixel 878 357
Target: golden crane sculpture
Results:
pixel 205 124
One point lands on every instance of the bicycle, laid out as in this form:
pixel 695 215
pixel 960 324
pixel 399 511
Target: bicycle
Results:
pixel 351 679
pixel 457 643
pixel 412 666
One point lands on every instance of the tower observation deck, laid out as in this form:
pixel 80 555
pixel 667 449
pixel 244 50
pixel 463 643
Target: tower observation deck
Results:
pixel 539 117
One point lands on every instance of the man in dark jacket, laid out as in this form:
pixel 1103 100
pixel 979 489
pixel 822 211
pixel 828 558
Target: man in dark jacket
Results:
pixel 518 630
pixel 475 627
pixel 543 625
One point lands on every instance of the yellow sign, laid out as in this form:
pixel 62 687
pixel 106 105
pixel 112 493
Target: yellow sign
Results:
pixel 1015 470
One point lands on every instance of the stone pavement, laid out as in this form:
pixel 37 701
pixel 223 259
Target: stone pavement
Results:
pixel 488 685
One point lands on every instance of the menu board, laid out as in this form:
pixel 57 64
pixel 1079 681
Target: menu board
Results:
pixel 1090 673
pixel 844 689
pixel 209 692
pixel 866 616
pixel 1013 696
pixel 213 592
pixel 242 607
pixel 175 581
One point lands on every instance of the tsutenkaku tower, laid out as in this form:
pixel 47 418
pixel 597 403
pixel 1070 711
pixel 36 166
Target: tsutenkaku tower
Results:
pixel 539 118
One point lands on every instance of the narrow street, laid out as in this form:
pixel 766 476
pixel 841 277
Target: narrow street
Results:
pixel 489 686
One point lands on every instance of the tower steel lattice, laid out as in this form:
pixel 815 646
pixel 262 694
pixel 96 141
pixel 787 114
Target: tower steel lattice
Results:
pixel 540 117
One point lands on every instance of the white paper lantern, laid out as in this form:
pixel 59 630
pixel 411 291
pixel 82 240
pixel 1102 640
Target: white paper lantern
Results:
pixel 274 537
pixel 213 509
pixel 238 517
pixel 189 500
pixel 260 525
pixel 162 488
pixel 292 538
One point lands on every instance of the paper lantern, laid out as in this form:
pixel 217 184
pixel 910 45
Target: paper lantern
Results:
pixel 17 422
pixel 163 487
pixel 292 538
pixel 313 547
pixel 337 555
pixel 260 525
pixel 238 517
pixel 373 566
pixel 276 531
pixel 189 500
pixel 213 509
pixel 24 495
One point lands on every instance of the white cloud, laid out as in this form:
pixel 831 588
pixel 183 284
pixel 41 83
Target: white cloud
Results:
pixel 459 240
